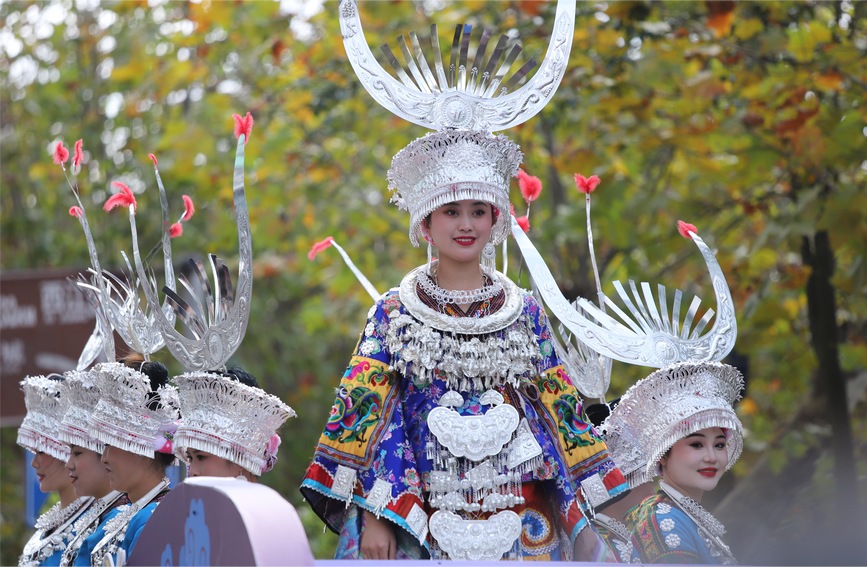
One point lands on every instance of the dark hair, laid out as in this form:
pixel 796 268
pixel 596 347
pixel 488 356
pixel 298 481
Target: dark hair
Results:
pixel 596 413
pixel 165 460
pixel 156 372
pixel 242 376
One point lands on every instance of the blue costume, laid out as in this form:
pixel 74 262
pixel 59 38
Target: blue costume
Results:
pixel 90 529
pixel 54 531
pixel 123 530
pixel 383 451
pixel 663 533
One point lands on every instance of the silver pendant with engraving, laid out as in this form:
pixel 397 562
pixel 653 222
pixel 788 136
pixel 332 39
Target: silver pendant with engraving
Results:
pixel 475 540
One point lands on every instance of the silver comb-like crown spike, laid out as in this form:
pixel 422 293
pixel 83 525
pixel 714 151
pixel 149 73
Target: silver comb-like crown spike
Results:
pixel 101 341
pixel 119 300
pixel 218 327
pixel 469 94
pixel 590 371
pixel 645 336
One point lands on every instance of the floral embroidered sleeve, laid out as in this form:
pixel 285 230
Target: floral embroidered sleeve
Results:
pixel 363 456
pixel 665 534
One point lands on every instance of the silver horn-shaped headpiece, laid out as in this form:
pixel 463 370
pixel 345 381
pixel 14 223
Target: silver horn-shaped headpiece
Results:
pixel 471 95
pixel 644 334
pixel 117 300
pixel 217 326
pixel 101 340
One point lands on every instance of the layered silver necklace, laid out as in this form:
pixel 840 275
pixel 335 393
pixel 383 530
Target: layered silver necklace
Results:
pixel 458 296
pixel 87 524
pixel 115 529
pixel 706 522
pixel 53 528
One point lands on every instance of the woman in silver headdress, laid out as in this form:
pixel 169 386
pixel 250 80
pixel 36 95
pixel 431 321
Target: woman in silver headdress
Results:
pixel 85 467
pixel 689 434
pixel 455 431
pixel 39 434
pixel 135 419
pixel 229 424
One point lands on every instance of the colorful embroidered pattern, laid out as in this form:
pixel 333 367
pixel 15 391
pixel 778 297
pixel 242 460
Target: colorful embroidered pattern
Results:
pixel 359 416
pixel 663 533
pixel 378 427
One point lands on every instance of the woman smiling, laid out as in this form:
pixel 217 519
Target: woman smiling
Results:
pixel 687 428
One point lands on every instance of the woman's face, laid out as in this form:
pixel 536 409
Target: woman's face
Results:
pixel 696 463
pixel 461 229
pixel 127 472
pixel 87 472
pixel 50 472
pixel 206 464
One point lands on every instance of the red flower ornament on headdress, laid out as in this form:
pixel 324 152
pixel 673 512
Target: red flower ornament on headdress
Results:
pixel 177 229
pixel 243 125
pixel 586 184
pixel 530 185
pixel 524 223
pixel 60 155
pixel 684 228
pixel 320 246
pixel 125 198
pixel 77 156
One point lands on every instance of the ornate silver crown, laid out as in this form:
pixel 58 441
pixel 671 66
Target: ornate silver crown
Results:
pixel 122 417
pixel 672 403
pixel 465 103
pixel 469 95
pixel 642 333
pixel 454 165
pixel 80 395
pixel 226 418
pixel 117 301
pixel 38 431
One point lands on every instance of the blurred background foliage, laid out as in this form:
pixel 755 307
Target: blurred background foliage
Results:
pixel 746 119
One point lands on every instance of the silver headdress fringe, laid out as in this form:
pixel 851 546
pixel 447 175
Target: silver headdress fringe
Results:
pixel 121 418
pixel 218 328
pixel 465 103
pixel 81 395
pixel 38 431
pixel 626 450
pixel 672 403
pixel 454 165
pixel 228 419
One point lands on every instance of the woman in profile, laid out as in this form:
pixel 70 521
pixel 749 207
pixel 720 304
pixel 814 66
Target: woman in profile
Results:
pixel 39 435
pixel 85 467
pixel 229 425
pixel 135 418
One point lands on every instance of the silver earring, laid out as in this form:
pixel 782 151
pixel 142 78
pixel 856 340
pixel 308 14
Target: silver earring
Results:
pixel 489 257
pixel 429 256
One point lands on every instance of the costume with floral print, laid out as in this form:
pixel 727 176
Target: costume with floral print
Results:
pixel 389 441
pixel 663 533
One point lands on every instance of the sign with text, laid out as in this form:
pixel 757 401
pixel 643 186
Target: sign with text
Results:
pixel 45 322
